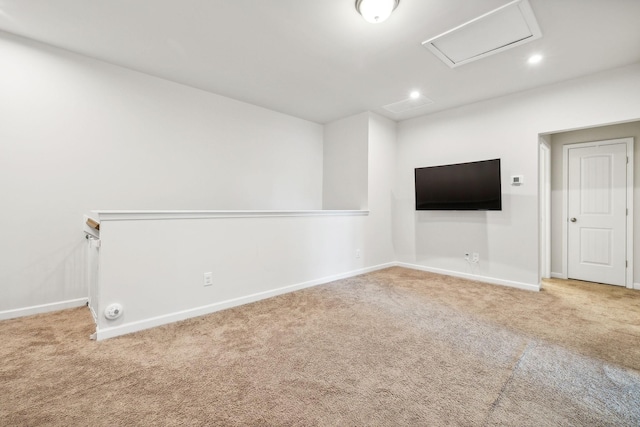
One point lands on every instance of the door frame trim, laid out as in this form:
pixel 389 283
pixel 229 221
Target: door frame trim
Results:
pixel 544 202
pixel 565 202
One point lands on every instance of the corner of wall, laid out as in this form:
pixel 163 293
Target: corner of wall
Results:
pixel 345 163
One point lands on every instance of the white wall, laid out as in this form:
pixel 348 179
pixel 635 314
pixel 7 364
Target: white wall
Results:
pixel 378 243
pixel 345 163
pixel 622 130
pixel 154 267
pixel 78 134
pixel 359 171
pixel 507 128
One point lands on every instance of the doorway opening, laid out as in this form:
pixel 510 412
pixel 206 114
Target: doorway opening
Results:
pixel 555 217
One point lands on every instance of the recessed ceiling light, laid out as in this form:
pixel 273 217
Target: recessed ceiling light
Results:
pixel 414 95
pixel 534 59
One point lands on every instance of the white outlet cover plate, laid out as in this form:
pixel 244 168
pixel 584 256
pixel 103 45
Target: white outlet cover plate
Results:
pixel 208 279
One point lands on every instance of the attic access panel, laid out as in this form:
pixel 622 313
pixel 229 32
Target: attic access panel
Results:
pixel 503 28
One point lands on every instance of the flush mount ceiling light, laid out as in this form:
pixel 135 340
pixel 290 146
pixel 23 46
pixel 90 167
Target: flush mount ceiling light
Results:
pixel 376 11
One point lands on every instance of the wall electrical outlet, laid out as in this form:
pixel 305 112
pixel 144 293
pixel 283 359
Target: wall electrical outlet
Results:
pixel 358 254
pixel 466 256
pixel 208 279
pixel 475 257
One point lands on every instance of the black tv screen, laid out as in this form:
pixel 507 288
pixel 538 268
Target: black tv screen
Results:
pixel 459 187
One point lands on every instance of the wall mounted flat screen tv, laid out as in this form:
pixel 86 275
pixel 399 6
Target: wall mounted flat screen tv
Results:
pixel 473 186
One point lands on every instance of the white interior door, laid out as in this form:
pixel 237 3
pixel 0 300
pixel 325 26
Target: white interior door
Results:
pixel 597 213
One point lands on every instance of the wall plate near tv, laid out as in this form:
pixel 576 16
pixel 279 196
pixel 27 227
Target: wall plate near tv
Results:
pixel 473 186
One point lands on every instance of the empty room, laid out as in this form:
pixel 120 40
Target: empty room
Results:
pixel 320 213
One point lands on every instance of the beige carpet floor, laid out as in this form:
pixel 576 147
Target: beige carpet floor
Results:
pixel 391 348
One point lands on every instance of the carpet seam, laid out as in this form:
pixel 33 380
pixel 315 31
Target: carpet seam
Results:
pixel 508 381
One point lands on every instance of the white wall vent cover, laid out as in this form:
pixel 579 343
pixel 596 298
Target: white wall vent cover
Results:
pixel 408 104
pixel 503 28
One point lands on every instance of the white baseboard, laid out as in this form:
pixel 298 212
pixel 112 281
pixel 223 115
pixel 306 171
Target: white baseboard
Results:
pixel 636 286
pixel 93 313
pixel 485 279
pixel 43 308
pixel 104 333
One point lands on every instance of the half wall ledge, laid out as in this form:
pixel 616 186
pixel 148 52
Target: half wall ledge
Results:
pixel 159 267
pixel 132 215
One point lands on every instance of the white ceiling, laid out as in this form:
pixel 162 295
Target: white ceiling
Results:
pixel 318 59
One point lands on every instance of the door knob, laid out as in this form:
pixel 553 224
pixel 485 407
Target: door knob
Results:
pixel 573 220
